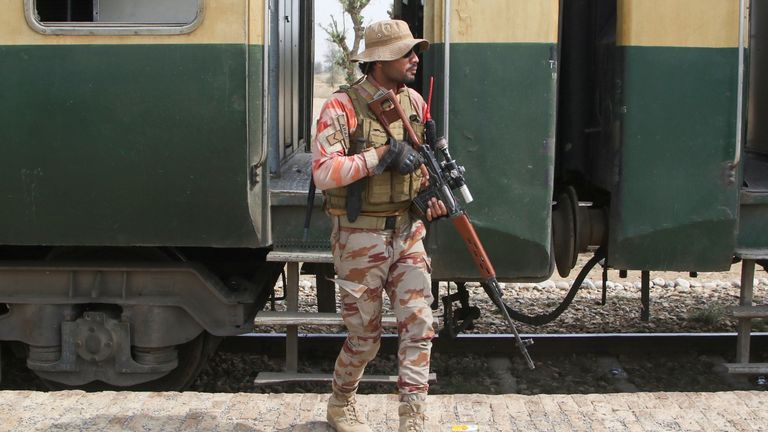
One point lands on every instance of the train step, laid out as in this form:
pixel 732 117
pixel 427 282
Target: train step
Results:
pixel 264 378
pixel 309 318
pixel 276 318
pixel 324 257
pixel 747 368
pixel 760 311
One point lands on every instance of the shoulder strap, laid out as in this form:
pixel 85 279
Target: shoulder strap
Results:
pixel 408 108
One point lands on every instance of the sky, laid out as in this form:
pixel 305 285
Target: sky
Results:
pixel 375 11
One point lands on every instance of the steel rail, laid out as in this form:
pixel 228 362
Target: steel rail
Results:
pixel 273 344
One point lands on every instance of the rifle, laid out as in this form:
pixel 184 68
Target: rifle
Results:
pixel 443 179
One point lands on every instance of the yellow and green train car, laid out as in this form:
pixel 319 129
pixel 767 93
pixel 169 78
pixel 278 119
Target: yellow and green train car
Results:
pixel 133 198
pixel 154 153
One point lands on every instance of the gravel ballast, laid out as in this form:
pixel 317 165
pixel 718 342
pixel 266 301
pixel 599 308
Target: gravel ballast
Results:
pixel 679 303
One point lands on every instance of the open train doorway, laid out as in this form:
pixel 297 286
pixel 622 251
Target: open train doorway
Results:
pixel 310 45
pixel 311 42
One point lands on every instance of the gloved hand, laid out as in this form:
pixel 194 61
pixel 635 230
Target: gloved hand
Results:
pixel 400 157
pixel 407 159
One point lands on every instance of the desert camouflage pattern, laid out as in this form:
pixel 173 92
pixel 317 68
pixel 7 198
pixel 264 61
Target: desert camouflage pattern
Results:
pixel 337 121
pixel 368 263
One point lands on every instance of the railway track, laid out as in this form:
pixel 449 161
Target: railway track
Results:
pixel 273 344
pixel 491 363
pixel 565 363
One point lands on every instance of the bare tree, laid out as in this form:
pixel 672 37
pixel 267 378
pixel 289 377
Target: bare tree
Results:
pixel 337 35
pixel 333 58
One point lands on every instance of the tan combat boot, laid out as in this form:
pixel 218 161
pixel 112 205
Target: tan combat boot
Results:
pixel 412 416
pixel 343 414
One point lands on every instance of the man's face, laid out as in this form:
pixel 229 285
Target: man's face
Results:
pixel 402 70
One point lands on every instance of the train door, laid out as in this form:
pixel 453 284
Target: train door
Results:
pixel 676 120
pixel 499 112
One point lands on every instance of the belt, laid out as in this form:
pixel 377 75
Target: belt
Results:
pixel 375 222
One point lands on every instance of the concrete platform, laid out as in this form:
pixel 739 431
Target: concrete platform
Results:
pixel 80 411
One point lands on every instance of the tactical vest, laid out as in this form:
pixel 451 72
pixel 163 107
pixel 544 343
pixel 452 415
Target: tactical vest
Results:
pixel 389 193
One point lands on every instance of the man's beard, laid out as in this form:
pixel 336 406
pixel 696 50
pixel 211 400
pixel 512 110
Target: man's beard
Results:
pixel 400 77
pixel 408 79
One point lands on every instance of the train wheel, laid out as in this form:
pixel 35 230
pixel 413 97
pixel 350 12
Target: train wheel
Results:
pixel 192 356
pixel 565 234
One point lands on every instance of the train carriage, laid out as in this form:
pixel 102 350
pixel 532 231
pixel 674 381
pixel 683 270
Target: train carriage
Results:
pixel 133 185
pixel 154 153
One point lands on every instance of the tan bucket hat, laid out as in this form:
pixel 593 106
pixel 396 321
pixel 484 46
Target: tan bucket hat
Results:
pixel 388 40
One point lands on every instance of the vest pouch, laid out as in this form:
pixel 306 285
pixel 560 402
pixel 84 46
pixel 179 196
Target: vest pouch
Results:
pixel 376 137
pixel 405 188
pixel 336 198
pixel 380 188
pixel 418 128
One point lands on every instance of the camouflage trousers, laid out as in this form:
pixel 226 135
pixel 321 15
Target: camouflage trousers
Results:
pixel 369 262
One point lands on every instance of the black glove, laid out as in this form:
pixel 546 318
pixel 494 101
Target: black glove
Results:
pixel 407 159
pixel 400 157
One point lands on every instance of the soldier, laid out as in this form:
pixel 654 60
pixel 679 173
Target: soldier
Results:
pixel 369 181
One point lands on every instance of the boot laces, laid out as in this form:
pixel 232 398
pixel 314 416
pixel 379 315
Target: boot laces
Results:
pixel 351 412
pixel 416 420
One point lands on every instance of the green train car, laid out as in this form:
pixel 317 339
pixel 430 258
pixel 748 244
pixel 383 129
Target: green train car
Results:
pixel 154 154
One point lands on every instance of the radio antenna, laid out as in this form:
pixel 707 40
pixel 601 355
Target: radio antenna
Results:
pixel 429 99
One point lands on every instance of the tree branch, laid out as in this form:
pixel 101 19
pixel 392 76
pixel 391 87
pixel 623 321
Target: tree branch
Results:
pixel 337 35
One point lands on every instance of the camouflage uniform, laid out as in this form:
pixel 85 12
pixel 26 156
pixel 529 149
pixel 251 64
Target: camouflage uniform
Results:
pixel 371 260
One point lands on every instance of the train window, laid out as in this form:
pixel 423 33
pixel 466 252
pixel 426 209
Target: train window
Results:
pixel 114 17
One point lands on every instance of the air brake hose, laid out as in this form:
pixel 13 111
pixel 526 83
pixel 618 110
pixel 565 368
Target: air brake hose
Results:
pixel 542 319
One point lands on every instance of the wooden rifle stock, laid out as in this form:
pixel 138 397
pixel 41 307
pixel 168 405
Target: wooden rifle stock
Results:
pixel 467 232
pixel 388 110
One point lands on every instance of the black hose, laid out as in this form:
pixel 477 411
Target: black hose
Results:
pixel 542 319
